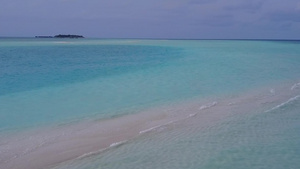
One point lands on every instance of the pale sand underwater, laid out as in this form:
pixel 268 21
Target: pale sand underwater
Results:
pixel 64 145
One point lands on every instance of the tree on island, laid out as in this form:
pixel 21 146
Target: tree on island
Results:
pixel 61 36
pixel 68 36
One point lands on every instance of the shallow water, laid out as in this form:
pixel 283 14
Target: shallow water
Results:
pixel 209 104
pixel 225 135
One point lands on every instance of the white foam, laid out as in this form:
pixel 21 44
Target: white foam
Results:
pixel 192 115
pixel 272 91
pixel 295 86
pixel 283 104
pixel 155 127
pixel 118 143
pixel 208 106
pixel 90 154
pixel 101 150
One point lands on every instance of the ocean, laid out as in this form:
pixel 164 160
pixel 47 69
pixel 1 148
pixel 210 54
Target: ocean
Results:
pixel 137 103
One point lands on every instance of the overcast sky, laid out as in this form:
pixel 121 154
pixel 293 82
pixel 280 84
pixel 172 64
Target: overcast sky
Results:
pixel 201 19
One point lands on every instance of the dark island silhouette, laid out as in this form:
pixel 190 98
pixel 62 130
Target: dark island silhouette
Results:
pixel 61 36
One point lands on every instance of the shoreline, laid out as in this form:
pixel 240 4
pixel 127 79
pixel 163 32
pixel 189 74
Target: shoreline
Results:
pixel 56 145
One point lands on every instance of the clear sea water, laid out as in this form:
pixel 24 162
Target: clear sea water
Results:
pixel 48 82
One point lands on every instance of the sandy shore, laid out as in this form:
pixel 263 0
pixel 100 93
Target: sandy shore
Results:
pixel 48 147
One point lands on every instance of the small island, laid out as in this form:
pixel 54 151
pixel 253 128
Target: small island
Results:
pixel 68 36
pixel 61 36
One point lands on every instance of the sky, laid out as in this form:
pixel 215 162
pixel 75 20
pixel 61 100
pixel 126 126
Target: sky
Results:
pixel 178 19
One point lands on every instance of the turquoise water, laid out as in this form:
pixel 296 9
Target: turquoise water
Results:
pixel 55 81
pixel 47 82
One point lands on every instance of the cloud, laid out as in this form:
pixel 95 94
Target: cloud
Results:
pixel 136 18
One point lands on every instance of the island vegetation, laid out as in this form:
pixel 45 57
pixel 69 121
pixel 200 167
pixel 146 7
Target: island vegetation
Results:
pixel 68 36
pixel 61 36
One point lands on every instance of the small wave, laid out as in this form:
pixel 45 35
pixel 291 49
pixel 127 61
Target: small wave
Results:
pixel 83 156
pixel 101 150
pixel 202 108
pixel 118 143
pixel 90 154
pixel 284 103
pixel 190 115
pixel 208 106
pixel 155 127
pixel 295 86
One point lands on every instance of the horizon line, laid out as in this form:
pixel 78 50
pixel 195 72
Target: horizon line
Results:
pixel 273 39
